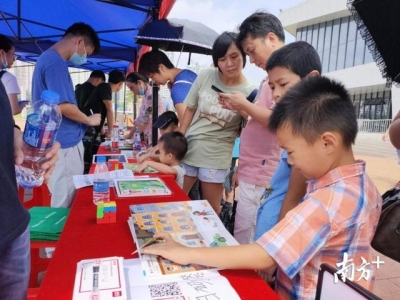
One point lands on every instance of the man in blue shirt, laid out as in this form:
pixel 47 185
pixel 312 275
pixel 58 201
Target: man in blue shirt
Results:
pixel 51 73
pixel 157 66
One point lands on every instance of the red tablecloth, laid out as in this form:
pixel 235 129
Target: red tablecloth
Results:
pixel 82 239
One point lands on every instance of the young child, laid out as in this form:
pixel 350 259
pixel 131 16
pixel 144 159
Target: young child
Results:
pixel 172 147
pixel 315 122
pixel 285 67
pixel 166 122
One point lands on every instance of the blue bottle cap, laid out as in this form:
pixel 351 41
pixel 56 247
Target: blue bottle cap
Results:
pixel 50 97
pixel 101 159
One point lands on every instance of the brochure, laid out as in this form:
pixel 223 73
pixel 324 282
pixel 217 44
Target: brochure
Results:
pixel 100 278
pixel 200 285
pixel 141 186
pixel 192 223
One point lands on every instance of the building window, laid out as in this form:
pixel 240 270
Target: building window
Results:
pixel 334 45
pixel 327 46
pixel 344 25
pixel 338 43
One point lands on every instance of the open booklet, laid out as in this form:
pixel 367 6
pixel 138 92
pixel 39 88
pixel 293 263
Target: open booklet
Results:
pixel 192 223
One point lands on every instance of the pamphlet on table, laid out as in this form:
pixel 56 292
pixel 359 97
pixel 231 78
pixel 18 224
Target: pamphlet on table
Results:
pixel 100 278
pixel 191 223
pixel 201 285
pixel 141 186
pixel 81 181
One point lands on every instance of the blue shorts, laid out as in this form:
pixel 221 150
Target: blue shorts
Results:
pixel 206 174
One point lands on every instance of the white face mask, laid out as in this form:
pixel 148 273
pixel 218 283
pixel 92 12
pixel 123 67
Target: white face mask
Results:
pixel 77 59
pixel 4 62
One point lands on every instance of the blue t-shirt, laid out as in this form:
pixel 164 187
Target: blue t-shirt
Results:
pixel 51 73
pixel 182 84
pixel 268 213
pixel 236 147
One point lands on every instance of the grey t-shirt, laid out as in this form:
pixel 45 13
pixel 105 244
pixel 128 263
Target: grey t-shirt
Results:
pixel 213 130
pixel 180 176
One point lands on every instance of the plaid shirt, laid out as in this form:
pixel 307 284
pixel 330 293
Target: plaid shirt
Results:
pixel 338 215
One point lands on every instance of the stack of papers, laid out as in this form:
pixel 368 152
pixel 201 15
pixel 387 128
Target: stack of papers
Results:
pixel 47 222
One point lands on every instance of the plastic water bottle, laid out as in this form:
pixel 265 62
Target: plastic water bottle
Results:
pixel 41 127
pixel 136 140
pixel 115 139
pixel 101 181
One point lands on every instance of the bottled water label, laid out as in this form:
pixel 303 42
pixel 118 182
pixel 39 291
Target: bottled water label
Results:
pixel 101 186
pixel 101 191
pixel 39 137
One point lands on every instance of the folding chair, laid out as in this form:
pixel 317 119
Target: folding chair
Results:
pixel 327 289
pixel 40 197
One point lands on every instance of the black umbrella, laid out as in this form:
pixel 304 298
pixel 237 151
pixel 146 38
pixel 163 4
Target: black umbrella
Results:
pixel 379 24
pixel 177 35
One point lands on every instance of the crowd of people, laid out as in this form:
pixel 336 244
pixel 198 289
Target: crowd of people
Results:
pixel 303 198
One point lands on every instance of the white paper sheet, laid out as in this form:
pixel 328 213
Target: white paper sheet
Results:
pixel 81 181
pixel 100 278
pixel 201 285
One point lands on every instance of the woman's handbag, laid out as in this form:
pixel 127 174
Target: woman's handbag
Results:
pixel 387 235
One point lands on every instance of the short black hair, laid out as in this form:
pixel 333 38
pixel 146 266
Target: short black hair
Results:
pixel 299 57
pixel 222 44
pixel 258 25
pixel 87 32
pixel 134 77
pixel 98 74
pixel 116 76
pixel 5 43
pixel 175 143
pixel 316 105
pixel 150 61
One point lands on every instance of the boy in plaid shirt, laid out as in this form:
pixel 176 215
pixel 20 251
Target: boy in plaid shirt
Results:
pixel 315 123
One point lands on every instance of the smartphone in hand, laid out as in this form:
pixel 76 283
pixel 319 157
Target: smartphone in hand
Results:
pixel 216 89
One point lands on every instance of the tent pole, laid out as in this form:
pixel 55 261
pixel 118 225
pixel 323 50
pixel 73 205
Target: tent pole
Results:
pixel 154 131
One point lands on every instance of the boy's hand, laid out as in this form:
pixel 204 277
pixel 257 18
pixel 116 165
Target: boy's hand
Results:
pixel 94 120
pixel 233 101
pixel 142 158
pixel 170 249
pixel 235 181
pixel 18 144
pixel 51 159
pixel 140 168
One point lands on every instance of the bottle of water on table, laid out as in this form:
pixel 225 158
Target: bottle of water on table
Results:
pixel 101 181
pixel 115 139
pixel 136 140
pixel 41 127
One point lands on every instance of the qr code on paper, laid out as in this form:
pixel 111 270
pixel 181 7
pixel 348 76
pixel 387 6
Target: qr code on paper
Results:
pixel 165 289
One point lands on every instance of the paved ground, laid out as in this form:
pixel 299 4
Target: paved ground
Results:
pixel 383 169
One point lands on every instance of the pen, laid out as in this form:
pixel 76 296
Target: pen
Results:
pixel 91 111
pixel 148 243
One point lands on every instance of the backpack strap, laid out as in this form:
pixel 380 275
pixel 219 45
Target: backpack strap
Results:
pixel 2 73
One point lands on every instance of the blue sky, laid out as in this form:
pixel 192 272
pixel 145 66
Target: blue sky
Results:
pixel 222 15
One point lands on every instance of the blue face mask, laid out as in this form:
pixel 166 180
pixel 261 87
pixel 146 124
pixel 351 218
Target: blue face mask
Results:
pixel 141 91
pixel 77 59
pixel 4 63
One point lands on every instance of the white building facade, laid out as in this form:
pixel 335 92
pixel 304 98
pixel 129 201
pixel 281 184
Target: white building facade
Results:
pixel 330 28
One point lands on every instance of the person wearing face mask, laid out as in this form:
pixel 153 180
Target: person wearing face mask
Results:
pixel 7 57
pixel 139 85
pixel 51 73
pixel 100 101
